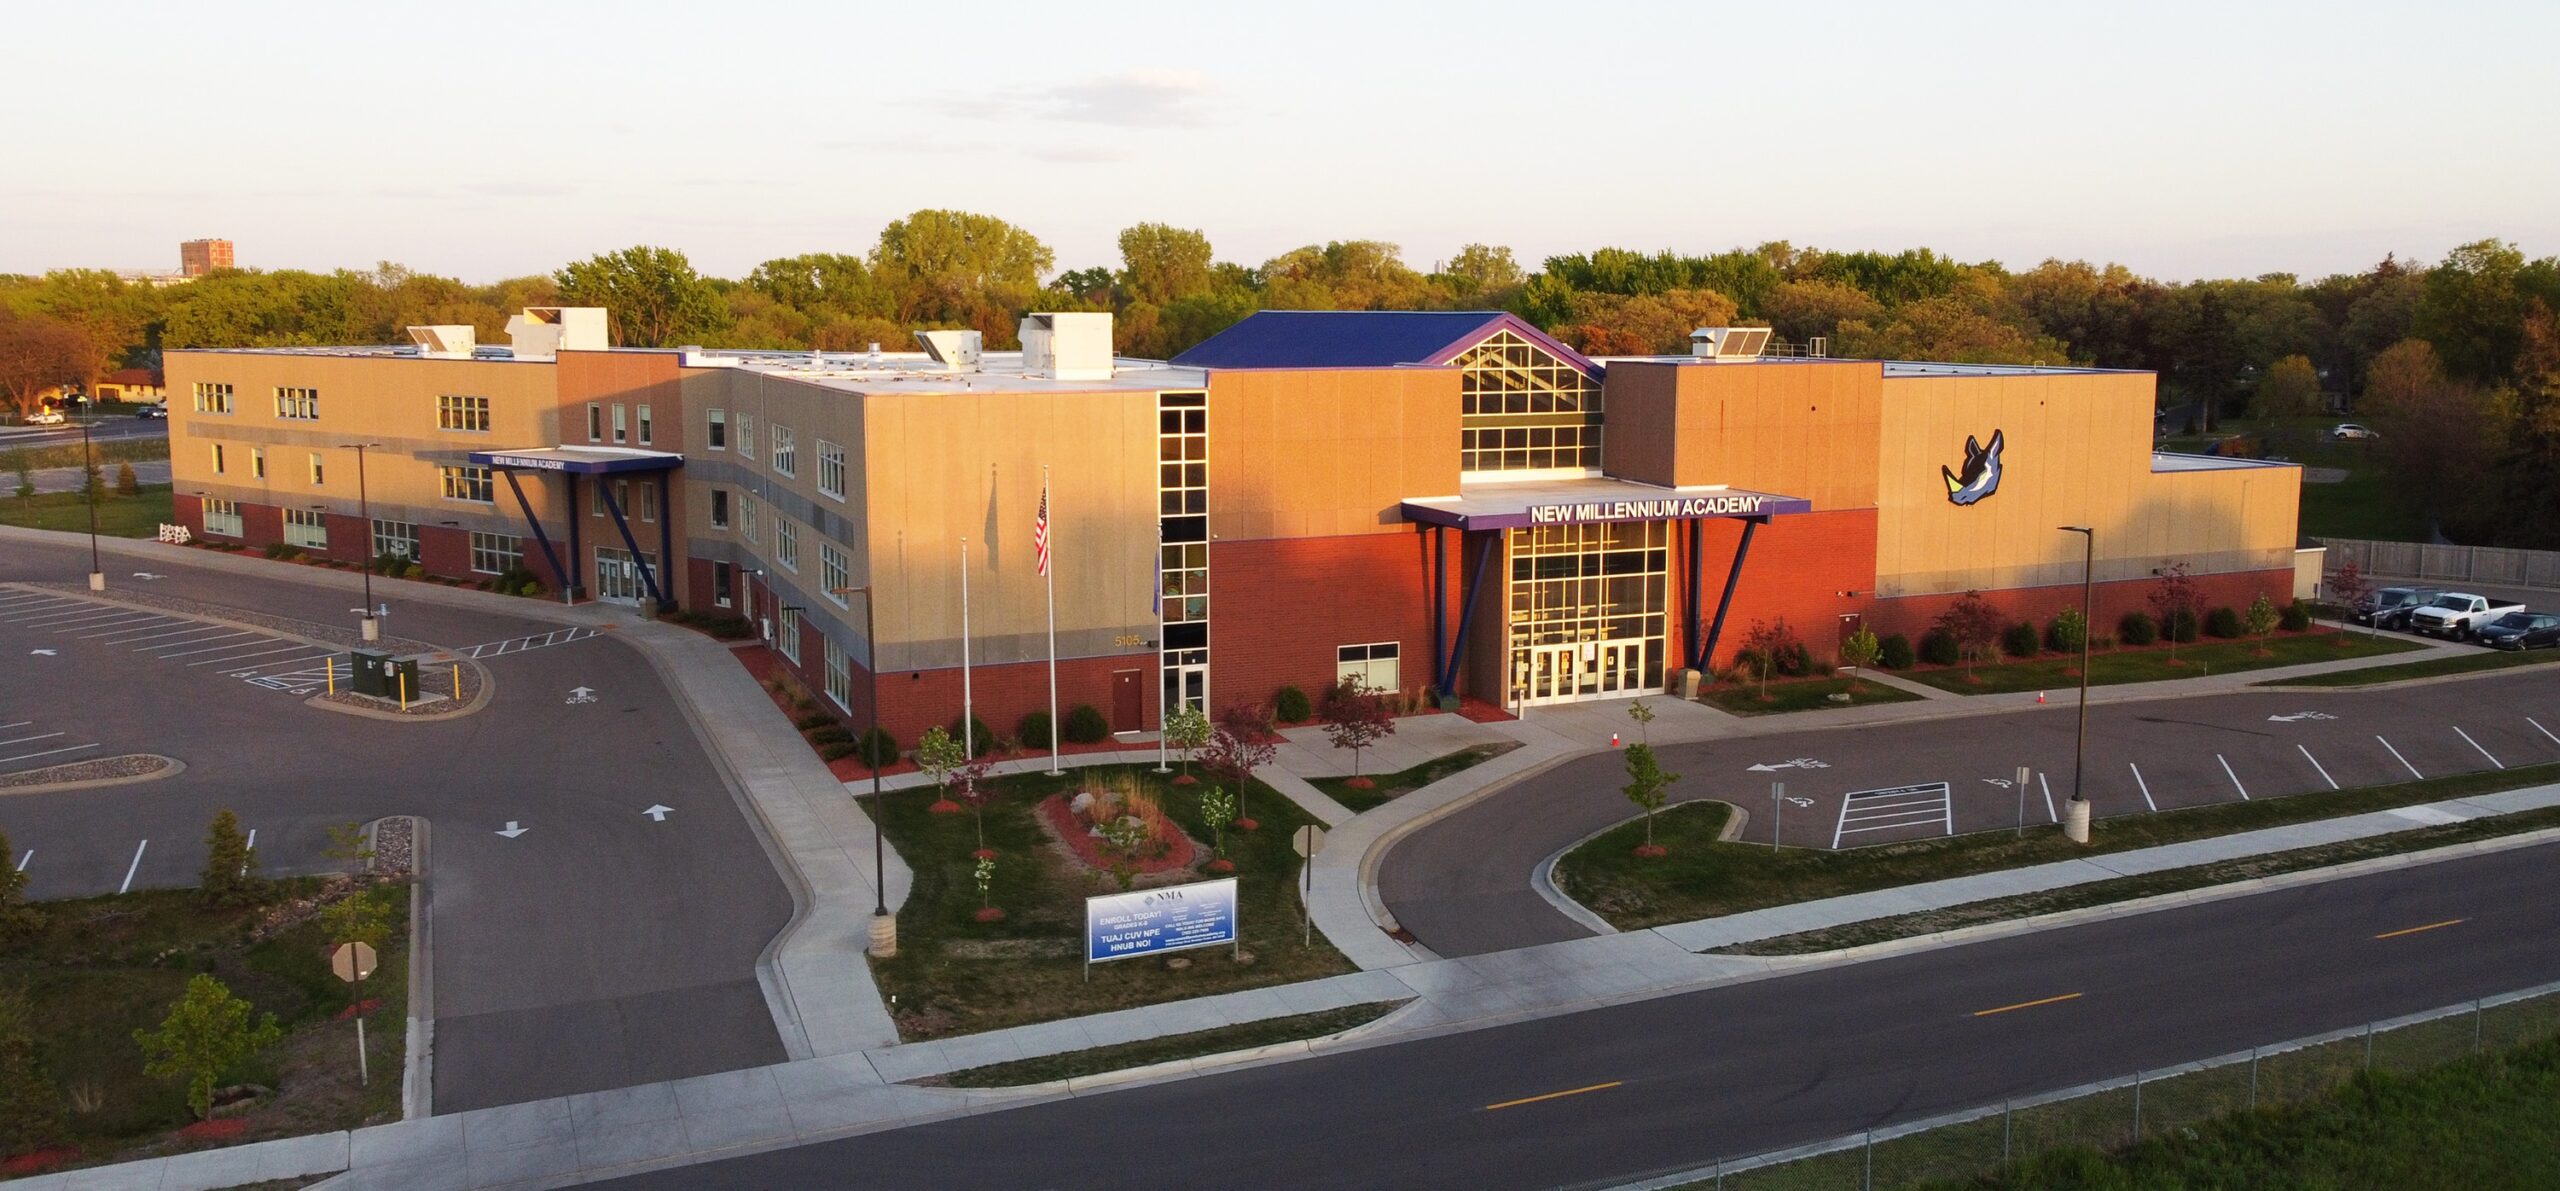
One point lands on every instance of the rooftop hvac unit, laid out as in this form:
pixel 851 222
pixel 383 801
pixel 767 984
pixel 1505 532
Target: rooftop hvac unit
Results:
pixel 1726 344
pixel 956 351
pixel 1067 346
pixel 444 342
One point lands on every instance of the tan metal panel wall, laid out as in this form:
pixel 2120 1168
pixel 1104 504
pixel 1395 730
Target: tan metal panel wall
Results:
pixel 1805 429
pixel 1324 452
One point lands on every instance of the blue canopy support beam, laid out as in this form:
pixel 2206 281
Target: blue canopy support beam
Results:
pixel 1467 613
pixel 640 559
pixel 559 575
pixel 1741 552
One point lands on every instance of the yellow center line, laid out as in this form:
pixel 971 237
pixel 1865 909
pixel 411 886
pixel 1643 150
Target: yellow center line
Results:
pixel 2393 934
pixel 2027 1004
pixel 1597 1087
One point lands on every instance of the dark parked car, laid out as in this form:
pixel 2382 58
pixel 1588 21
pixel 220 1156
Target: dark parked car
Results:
pixel 152 413
pixel 2389 607
pixel 2522 630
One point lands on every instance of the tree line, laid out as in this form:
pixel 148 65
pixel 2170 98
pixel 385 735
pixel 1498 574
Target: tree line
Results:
pixel 2458 361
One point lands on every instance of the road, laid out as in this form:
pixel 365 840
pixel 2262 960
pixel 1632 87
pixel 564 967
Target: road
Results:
pixel 1746 1069
pixel 597 949
pixel 1461 883
pixel 102 430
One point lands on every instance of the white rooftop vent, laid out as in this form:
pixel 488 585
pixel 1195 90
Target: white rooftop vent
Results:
pixel 543 332
pixel 444 342
pixel 1067 346
pixel 956 351
pixel 1728 343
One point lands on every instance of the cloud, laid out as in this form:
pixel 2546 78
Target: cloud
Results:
pixel 1134 99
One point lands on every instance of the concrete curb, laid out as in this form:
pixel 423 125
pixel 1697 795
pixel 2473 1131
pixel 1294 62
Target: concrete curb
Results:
pixel 417 1081
pixel 173 768
pixel 479 699
pixel 1375 853
pixel 1543 877
pixel 2398 684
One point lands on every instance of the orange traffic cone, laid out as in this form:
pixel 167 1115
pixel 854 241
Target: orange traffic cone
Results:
pixel 2039 696
pixel 1613 740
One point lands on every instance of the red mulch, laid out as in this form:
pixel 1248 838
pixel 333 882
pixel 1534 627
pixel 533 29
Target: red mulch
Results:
pixel 367 1006
pixel 221 1129
pixel 37 1161
pixel 990 914
pixel 1088 849
pixel 1479 711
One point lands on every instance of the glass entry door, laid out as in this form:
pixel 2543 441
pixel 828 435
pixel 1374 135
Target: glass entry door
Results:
pixel 618 577
pixel 1589 670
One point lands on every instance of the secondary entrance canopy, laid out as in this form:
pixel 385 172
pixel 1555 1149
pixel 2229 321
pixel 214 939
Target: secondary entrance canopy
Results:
pixel 601 463
pixel 1520 504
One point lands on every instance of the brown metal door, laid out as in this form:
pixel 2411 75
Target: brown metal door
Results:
pixel 1128 707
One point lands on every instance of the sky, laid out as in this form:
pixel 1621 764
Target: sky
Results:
pixel 494 140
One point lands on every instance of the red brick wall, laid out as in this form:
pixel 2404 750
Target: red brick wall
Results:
pixel 446 551
pixel 1279 608
pixel 188 511
pixel 350 538
pixel 260 525
pixel 1798 570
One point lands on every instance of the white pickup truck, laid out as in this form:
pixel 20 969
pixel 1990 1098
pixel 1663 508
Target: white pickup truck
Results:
pixel 2457 614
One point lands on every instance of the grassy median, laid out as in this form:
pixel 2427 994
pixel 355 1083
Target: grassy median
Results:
pixel 1799 694
pixel 1388 786
pixel 2478 662
pixel 1194 1045
pixel 2153 663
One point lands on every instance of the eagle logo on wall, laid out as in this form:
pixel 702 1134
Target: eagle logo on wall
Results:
pixel 1981 474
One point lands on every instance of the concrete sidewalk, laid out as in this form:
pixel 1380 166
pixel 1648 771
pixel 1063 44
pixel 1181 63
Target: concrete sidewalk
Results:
pixel 67 479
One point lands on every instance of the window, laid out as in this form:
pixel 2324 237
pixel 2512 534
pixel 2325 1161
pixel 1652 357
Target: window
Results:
pixel 462 413
pixel 831 469
pixel 621 422
pixel 644 423
pixel 723 585
pixel 839 676
pixel 1523 409
pixel 595 422
pixel 833 572
pixel 217 459
pixel 257 463
pixel 222 517
pixel 300 405
pixel 786 456
pixel 746 435
pixel 715 430
pixel 786 634
pixel 307 528
pixel 747 517
pixel 649 501
pixel 1374 665
pixel 468 482
pixel 317 471
pixel 496 553
pixel 212 398
pixel 1182 552
pixel 395 538
pixel 719 508
pixel 786 544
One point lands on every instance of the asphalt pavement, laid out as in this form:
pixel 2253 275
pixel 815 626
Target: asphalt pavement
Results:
pixel 1625 1092
pixel 1461 883
pixel 102 430
pixel 598 947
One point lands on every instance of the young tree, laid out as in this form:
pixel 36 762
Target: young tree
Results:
pixel 207 1032
pixel 1642 713
pixel 1186 730
pixel 2262 620
pixel 230 868
pixel 30 1106
pixel 17 918
pixel 127 484
pixel 971 776
pixel 1217 811
pixel 347 844
pixel 1355 718
pixel 1647 787
pixel 1975 627
pixel 2175 598
pixel 1242 743
pixel 985 875
pixel 1125 836
pixel 1763 644
pixel 1861 649
pixel 2348 587
pixel 940 754
pixel 18 462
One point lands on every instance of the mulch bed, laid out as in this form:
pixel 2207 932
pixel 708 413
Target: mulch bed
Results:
pixel 38 1161
pixel 1177 850
pixel 219 1129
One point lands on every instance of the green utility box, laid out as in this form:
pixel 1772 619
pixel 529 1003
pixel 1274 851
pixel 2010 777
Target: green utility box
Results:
pixel 399 678
pixel 373 672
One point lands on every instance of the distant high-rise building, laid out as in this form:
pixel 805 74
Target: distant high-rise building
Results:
pixel 199 257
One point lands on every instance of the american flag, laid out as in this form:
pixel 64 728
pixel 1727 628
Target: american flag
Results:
pixel 1040 532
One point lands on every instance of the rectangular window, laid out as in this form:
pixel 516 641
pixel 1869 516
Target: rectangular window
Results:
pixel 317 471
pixel 831 469
pixel 496 553
pixel 644 423
pixel 212 398
pixel 621 422
pixel 715 430
pixel 300 405
pixel 723 585
pixel 719 508
pixel 307 528
pixel 217 459
pixel 839 676
pixel 595 422
pixel 786 634
pixel 1375 666
pixel 462 413
pixel 648 501
pixel 395 538
pixel 746 435
pixel 786 456
pixel 469 482
pixel 257 463
pixel 221 518
pixel 833 572
pixel 747 505
pixel 786 544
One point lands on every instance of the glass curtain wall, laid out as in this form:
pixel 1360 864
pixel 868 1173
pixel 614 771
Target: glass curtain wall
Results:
pixel 1587 606
pixel 1525 412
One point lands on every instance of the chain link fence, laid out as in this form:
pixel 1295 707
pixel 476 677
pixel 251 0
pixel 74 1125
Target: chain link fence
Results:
pixel 2461 564
pixel 2112 1114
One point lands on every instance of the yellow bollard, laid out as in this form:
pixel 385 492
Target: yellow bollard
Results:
pixel 457 682
pixel 404 690
pixel 333 677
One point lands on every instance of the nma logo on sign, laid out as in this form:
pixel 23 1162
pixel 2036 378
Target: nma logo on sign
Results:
pixel 1981 475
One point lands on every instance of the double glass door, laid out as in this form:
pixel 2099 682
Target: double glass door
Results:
pixel 1584 670
pixel 618 575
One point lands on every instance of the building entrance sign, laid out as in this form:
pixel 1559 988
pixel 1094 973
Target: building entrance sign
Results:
pixel 1734 504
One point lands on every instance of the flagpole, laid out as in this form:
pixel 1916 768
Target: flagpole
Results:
pixel 1049 526
pixel 968 704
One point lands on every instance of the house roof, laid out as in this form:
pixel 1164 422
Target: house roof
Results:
pixel 1363 339
pixel 134 376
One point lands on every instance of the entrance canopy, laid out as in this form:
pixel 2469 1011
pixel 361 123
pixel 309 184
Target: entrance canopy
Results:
pixel 585 461
pixel 1523 503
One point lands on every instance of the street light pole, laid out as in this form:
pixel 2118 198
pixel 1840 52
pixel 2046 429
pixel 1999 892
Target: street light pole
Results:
pixel 884 925
pixel 364 512
pixel 2077 829
pixel 89 481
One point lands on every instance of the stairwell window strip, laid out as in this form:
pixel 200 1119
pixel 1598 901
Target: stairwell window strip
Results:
pixel 786 544
pixel 839 677
pixel 715 430
pixel 786 453
pixel 833 573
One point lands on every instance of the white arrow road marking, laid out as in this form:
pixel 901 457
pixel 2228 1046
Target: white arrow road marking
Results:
pixel 581 694
pixel 2301 715
pixel 2001 782
pixel 42 653
pixel 514 829
pixel 658 813
pixel 1798 763
pixel 136 867
pixel 1799 801
pixel 147 575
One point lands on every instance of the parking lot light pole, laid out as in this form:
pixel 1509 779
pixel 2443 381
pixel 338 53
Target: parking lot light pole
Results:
pixel 2076 825
pixel 884 925
pixel 89 481
pixel 364 511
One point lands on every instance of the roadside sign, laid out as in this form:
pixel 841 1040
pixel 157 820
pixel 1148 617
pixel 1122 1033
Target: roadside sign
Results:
pixel 1151 921
pixel 1308 841
pixel 352 961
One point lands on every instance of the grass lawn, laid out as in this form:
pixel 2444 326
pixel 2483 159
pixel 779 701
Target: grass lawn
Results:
pixel 118 516
pixel 2469 663
pixel 2151 664
pixel 956 975
pixel 1704 877
pixel 108 451
pixel 1798 694
pixel 1406 781
pixel 104 967
pixel 2364 505
pixel 1196 1044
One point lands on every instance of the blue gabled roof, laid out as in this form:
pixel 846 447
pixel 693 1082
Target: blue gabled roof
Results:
pixel 1360 339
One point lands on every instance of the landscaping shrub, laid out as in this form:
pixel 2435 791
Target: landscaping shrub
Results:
pixel 2297 617
pixel 2181 629
pixel 1745 668
pixel 1291 706
pixel 2223 622
pixel 2020 640
pixel 126 483
pixel 413 571
pixel 807 721
pixel 831 734
pixel 1086 725
pixel 1034 730
pixel 838 750
pixel 877 748
pixel 1940 649
pixel 1793 660
pixel 1897 653
pixel 2137 628
pixel 2067 632
pixel 981 741
pixel 282 550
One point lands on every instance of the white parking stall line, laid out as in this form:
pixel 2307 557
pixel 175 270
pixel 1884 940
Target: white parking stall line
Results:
pixel 26 860
pixel 2049 813
pixel 2235 778
pixel 199 641
pixel 46 622
pixel 2404 761
pixel 47 753
pixel 30 610
pixel 238 657
pixel 122 622
pixel 2466 739
pixel 135 632
pixel 255 667
pixel 2315 764
pixel 2145 787
pixel 19 724
pixel 135 867
pixel 196 636
pixel 2546 732
pixel 252 846
pixel 20 599
pixel 185 628
pixel 25 739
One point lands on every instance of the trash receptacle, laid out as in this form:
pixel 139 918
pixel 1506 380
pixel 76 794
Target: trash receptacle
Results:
pixel 371 670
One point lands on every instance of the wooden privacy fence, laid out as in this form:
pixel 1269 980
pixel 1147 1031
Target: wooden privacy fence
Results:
pixel 2465 564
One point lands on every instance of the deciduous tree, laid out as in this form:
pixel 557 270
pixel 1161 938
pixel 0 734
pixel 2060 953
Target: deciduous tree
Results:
pixel 1975 626
pixel 2175 599
pixel 2347 586
pixel 2262 619
pixel 653 296
pixel 1356 717
pixel 1647 787
pixel 30 1104
pixel 1242 743
pixel 37 355
pixel 208 1031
